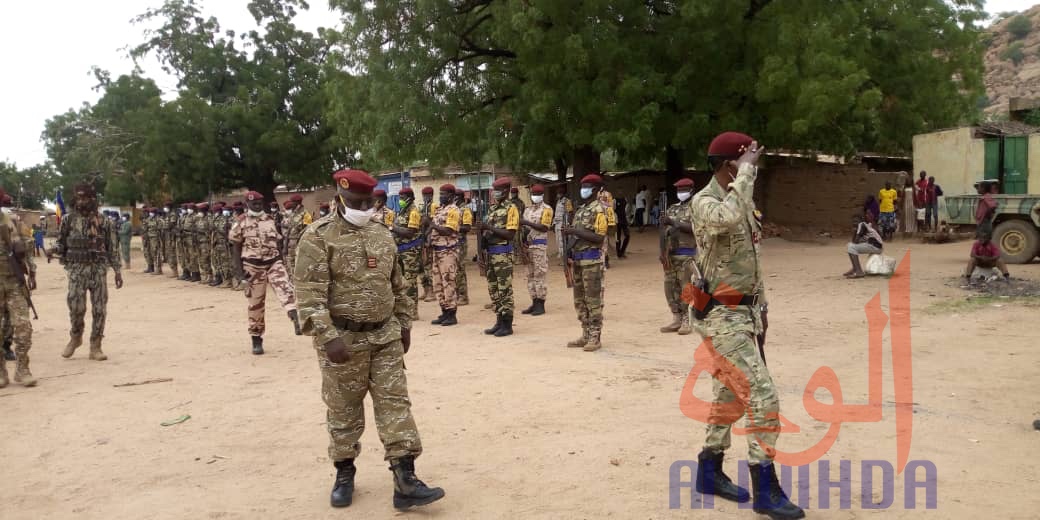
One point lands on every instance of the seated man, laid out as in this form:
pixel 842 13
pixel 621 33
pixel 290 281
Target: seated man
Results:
pixel 986 255
pixel 866 241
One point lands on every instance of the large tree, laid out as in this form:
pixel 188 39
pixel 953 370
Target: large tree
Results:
pixel 28 187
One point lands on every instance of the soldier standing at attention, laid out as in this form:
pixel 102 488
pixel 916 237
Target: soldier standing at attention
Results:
pixel 147 245
pixel 588 232
pixel 518 238
pixel 126 234
pixel 218 244
pixel 682 249
pixel 202 239
pixel 444 239
pixel 257 259
pixel 184 239
pixel 564 209
pixel 728 236
pixel 537 220
pixel 155 231
pixel 607 199
pixel 87 247
pixel 428 208
pixel 354 301
pixel 170 237
pixel 14 296
pixel 499 229
pixel 408 236
pixel 461 284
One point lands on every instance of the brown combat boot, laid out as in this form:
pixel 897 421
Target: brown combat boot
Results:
pixel 580 342
pixel 95 350
pixel 21 372
pixel 3 372
pixel 593 343
pixel 686 329
pixel 74 343
pixel 675 325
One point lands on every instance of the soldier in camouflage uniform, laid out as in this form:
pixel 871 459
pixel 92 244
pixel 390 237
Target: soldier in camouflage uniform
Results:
pixel 537 221
pixel 500 228
pixel 444 239
pixel 682 249
pixel 126 234
pixel 218 244
pixel 354 301
pixel 17 328
pixel 185 246
pixel 169 237
pixel 407 232
pixel 203 226
pixel 607 199
pixel 728 240
pixel 429 207
pixel 383 215
pixel 257 258
pixel 461 283
pixel 238 213
pixel 587 233
pixel 155 229
pixel 87 247
pixel 147 246
pixel 296 221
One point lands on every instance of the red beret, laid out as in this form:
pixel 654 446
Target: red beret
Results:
pixel 406 191
pixel 459 191
pixel 428 190
pixel 254 195
pixel 324 205
pixel 729 144
pixel 450 188
pixel 296 198
pixel 379 193
pixel 684 183
pixel 273 204
pixel 355 181
pixel 237 204
pixel 514 189
pixel 502 183
pixel 537 189
pixel 218 205
pixel 202 205
pixel 185 205
pixel 287 204
pixel 592 178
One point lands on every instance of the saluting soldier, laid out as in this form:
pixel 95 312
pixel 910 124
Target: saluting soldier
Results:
pixel 682 249
pixel 537 220
pixel 499 229
pixel 257 259
pixel 444 239
pixel 354 302
pixel 461 283
pixel 728 240
pixel 587 233
pixel 407 232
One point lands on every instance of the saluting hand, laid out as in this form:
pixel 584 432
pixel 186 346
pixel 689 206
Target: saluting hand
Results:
pixel 751 155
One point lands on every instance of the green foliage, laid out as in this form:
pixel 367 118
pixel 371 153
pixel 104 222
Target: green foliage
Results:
pixel 1019 26
pixel 1033 117
pixel 1013 53
pixel 28 187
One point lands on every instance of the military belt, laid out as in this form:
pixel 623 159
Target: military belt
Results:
pixel 358 326
pixel 255 262
pixel 409 245
pixel 539 242
pixel 591 254
pixel 684 251
pixel 444 248
pixel 500 250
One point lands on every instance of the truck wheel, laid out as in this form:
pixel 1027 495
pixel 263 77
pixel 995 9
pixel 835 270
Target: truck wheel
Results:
pixel 1019 240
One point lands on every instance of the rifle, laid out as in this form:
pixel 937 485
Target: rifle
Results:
pixel 482 257
pixel 662 230
pixel 568 244
pixel 17 264
pixel 426 252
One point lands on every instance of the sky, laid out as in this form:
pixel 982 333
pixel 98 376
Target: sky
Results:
pixel 49 47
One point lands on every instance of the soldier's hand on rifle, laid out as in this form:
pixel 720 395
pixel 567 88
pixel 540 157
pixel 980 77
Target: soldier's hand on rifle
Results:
pixel 666 220
pixel 119 280
pixel 31 282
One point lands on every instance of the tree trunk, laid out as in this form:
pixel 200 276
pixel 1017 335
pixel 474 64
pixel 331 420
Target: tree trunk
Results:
pixel 586 161
pixel 560 163
pixel 264 184
pixel 674 166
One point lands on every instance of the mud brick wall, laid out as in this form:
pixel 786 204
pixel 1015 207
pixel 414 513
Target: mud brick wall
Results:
pixel 821 196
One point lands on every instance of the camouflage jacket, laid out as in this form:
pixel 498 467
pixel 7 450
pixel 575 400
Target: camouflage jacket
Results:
pixel 87 239
pixel 349 272
pixel 503 215
pixel 203 225
pixel 154 227
pixel 539 214
pixel 258 236
pixel 219 233
pixel 409 217
pixel 296 222
pixel 728 242
pixel 591 216
pixel 680 213
pixel 446 216
pixel 12 231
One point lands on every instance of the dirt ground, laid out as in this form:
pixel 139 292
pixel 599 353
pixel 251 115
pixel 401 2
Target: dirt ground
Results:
pixel 519 427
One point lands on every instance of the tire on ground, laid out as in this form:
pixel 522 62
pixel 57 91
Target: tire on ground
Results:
pixel 1019 240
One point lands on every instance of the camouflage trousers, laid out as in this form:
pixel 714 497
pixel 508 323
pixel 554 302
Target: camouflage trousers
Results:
pixel 256 292
pixel 537 270
pixel 445 266
pixel 500 282
pixel 411 268
pixel 148 250
pixel 427 269
pixel 204 262
pixel 156 260
pixel 675 278
pixel 588 296
pixel 191 254
pixel 343 388
pixel 124 250
pixel 759 400
pixel 171 250
pixel 221 259
pixel 17 326
pixel 461 284
pixel 83 278
pixel 290 261
pixel 182 253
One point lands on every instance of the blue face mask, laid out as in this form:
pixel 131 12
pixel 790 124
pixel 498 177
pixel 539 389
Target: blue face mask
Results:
pixel 586 193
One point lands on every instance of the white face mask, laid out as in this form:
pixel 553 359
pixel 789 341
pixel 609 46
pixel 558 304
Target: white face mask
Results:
pixel 255 214
pixel 191 211
pixel 496 194
pixel 7 211
pixel 586 193
pixel 685 195
pixel 227 213
pixel 537 199
pixel 358 217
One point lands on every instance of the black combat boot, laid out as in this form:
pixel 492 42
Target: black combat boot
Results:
pixel 770 499
pixel 196 277
pixel 449 318
pixel 8 353
pixel 539 307
pixel 529 310
pixel 712 481
pixel 258 345
pixel 409 491
pixel 507 326
pixel 294 316
pixel 343 487
pixel 440 319
pixel 148 270
pixel 494 330
pixel 218 280
pixel 185 276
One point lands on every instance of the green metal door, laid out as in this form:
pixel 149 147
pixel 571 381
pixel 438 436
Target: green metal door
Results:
pixel 1016 165
pixel 992 159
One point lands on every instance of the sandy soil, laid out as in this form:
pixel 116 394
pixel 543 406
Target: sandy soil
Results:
pixel 518 427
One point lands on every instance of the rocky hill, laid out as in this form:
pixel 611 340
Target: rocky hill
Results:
pixel 1004 78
